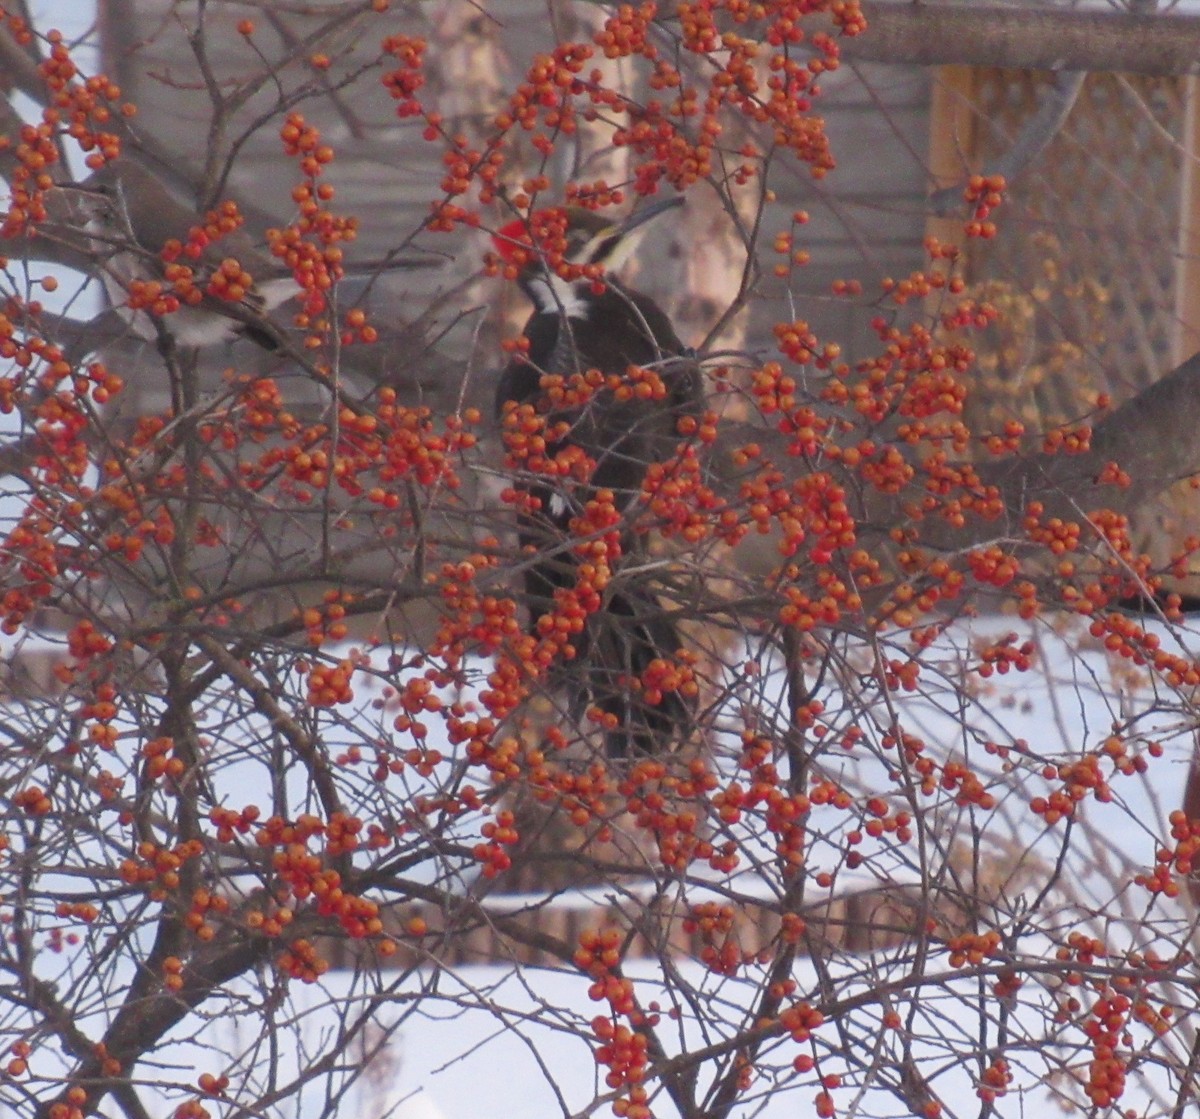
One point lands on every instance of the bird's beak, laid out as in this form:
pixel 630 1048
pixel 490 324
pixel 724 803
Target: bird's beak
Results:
pixel 613 246
pixel 647 213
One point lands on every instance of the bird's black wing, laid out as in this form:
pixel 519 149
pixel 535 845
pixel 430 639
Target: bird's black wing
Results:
pixel 623 437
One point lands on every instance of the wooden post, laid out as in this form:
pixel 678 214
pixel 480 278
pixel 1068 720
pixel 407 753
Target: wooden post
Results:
pixel 953 141
pixel 1187 278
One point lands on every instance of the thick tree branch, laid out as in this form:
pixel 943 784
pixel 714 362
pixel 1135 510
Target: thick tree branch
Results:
pixel 140 1023
pixel 1026 38
pixel 1151 437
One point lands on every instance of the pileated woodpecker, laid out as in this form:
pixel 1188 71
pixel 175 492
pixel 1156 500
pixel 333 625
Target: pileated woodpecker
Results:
pixel 129 217
pixel 594 332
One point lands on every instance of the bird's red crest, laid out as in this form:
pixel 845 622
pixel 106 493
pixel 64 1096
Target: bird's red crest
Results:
pixel 512 240
pixel 542 232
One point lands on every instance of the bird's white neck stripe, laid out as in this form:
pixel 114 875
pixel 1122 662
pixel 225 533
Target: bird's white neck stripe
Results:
pixel 555 296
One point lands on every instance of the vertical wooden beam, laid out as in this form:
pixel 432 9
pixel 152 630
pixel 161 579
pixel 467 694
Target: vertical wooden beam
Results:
pixel 953 141
pixel 1187 275
pixel 952 125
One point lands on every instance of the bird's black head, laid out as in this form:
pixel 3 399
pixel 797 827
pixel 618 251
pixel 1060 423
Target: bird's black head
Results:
pixel 558 256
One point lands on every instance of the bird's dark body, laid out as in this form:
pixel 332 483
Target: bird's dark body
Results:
pixel 624 328
pixel 623 438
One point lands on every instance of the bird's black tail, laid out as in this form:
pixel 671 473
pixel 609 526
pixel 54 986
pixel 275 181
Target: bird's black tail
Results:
pixel 628 665
pixel 627 661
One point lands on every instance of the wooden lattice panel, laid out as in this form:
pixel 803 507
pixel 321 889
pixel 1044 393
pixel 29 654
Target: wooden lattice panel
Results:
pixel 1084 264
pixel 536 931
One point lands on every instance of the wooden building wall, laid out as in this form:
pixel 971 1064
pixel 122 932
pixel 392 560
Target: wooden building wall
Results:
pixel 866 217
